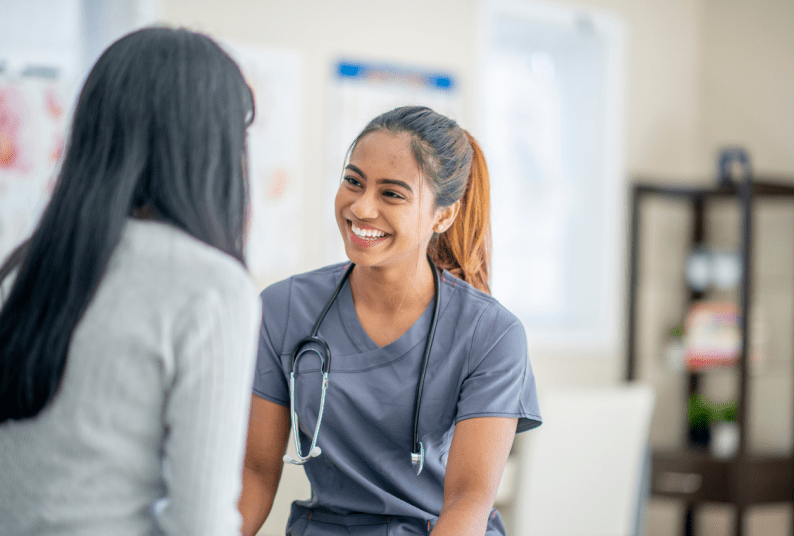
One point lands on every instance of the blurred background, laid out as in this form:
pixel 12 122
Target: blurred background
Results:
pixel 575 103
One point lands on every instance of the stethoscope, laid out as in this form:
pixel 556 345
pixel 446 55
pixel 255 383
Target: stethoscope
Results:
pixel 417 448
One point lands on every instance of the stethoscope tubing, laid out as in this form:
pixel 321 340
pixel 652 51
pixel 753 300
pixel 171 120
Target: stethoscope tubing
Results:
pixel 417 448
pixel 314 450
pixel 326 367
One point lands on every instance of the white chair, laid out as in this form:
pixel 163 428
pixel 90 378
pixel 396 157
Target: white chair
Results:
pixel 586 470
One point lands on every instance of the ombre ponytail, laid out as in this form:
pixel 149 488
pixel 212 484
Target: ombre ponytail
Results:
pixel 464 249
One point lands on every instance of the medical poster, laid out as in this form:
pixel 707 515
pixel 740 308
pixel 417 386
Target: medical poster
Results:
pixel 275 235
pixel 550 121
pixel 358 93
pixel 33 123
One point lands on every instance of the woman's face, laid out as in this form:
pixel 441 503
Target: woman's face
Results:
pixel 385 211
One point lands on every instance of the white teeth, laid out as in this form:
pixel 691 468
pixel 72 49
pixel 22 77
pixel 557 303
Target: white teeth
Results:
pixel 367 233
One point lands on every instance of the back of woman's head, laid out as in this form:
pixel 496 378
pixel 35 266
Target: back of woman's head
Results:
pixel 159 125
pixel 163 115
pixel 453 163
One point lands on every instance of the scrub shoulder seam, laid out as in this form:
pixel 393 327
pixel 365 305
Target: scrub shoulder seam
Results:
pixel 474 336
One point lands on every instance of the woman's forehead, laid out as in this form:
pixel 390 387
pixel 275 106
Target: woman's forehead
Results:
pixel 388 155
pixel 385 152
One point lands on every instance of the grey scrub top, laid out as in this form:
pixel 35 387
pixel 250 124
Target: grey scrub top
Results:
pixel 478 367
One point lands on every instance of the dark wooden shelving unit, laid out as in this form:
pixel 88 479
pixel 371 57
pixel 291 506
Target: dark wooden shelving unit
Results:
pixel 690 474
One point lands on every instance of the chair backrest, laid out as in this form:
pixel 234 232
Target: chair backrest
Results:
pixel 581 473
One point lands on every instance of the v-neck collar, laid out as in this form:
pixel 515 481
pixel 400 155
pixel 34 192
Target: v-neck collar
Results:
pixel 370 354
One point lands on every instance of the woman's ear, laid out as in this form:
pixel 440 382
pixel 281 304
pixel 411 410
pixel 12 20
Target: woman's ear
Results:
pixel 445 216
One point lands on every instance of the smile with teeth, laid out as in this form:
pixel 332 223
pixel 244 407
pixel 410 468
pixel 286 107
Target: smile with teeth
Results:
pixel 368 234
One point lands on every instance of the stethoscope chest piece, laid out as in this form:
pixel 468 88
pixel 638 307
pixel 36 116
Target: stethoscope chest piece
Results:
pixel 418 459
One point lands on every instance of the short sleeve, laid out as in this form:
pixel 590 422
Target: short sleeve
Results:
pixel 270 380
pixel 500 382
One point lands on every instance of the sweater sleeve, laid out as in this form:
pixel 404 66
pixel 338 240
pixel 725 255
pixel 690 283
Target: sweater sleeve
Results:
pixel 206 413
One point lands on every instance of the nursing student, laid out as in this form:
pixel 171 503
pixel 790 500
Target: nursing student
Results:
pixel 428 378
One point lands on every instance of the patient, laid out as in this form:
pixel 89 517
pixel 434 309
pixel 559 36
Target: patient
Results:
pixel 129 323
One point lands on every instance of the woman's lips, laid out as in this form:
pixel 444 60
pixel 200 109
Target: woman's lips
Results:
pixel 364 242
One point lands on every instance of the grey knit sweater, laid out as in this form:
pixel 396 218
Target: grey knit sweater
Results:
pixel 146 433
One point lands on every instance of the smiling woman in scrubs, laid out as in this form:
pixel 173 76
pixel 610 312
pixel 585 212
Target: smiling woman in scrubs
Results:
pixel 415 185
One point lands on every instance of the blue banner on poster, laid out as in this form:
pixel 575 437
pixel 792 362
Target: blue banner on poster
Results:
pixel 388 73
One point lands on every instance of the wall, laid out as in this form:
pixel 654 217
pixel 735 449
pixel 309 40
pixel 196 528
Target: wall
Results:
pixel 749 80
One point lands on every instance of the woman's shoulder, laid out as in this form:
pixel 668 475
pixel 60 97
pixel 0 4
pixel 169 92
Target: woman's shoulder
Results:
pixel 492 329
pixel 477 305
pixel 297 301
pixel 176 261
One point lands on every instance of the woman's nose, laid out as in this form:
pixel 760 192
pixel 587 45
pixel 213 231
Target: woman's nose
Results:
pixel 364 207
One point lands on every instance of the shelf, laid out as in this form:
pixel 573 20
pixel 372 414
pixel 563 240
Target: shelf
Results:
pixel 762 187
pixel 697 477
pixel 689 475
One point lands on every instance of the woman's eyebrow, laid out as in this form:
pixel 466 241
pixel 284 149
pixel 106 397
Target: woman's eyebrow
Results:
pixel 395 182
pixel 381 181
pixel 357 170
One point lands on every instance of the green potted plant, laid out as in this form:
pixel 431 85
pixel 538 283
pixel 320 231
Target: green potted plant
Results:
pixel 713 426
pixel 700 414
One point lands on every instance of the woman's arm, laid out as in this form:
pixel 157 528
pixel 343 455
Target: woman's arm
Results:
pixel 477 458
pixel 268 432
pixel 206 411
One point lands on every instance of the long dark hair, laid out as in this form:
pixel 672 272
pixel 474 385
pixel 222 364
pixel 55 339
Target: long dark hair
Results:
pixel 453 162
pixel 159 124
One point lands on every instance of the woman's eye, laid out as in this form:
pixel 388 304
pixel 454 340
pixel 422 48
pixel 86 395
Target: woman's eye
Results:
pixel 352 181
pixel 393 195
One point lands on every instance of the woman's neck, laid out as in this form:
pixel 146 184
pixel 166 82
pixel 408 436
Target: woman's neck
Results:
pixel 395 289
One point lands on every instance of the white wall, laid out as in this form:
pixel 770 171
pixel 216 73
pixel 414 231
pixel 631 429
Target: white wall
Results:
pixel 748 80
